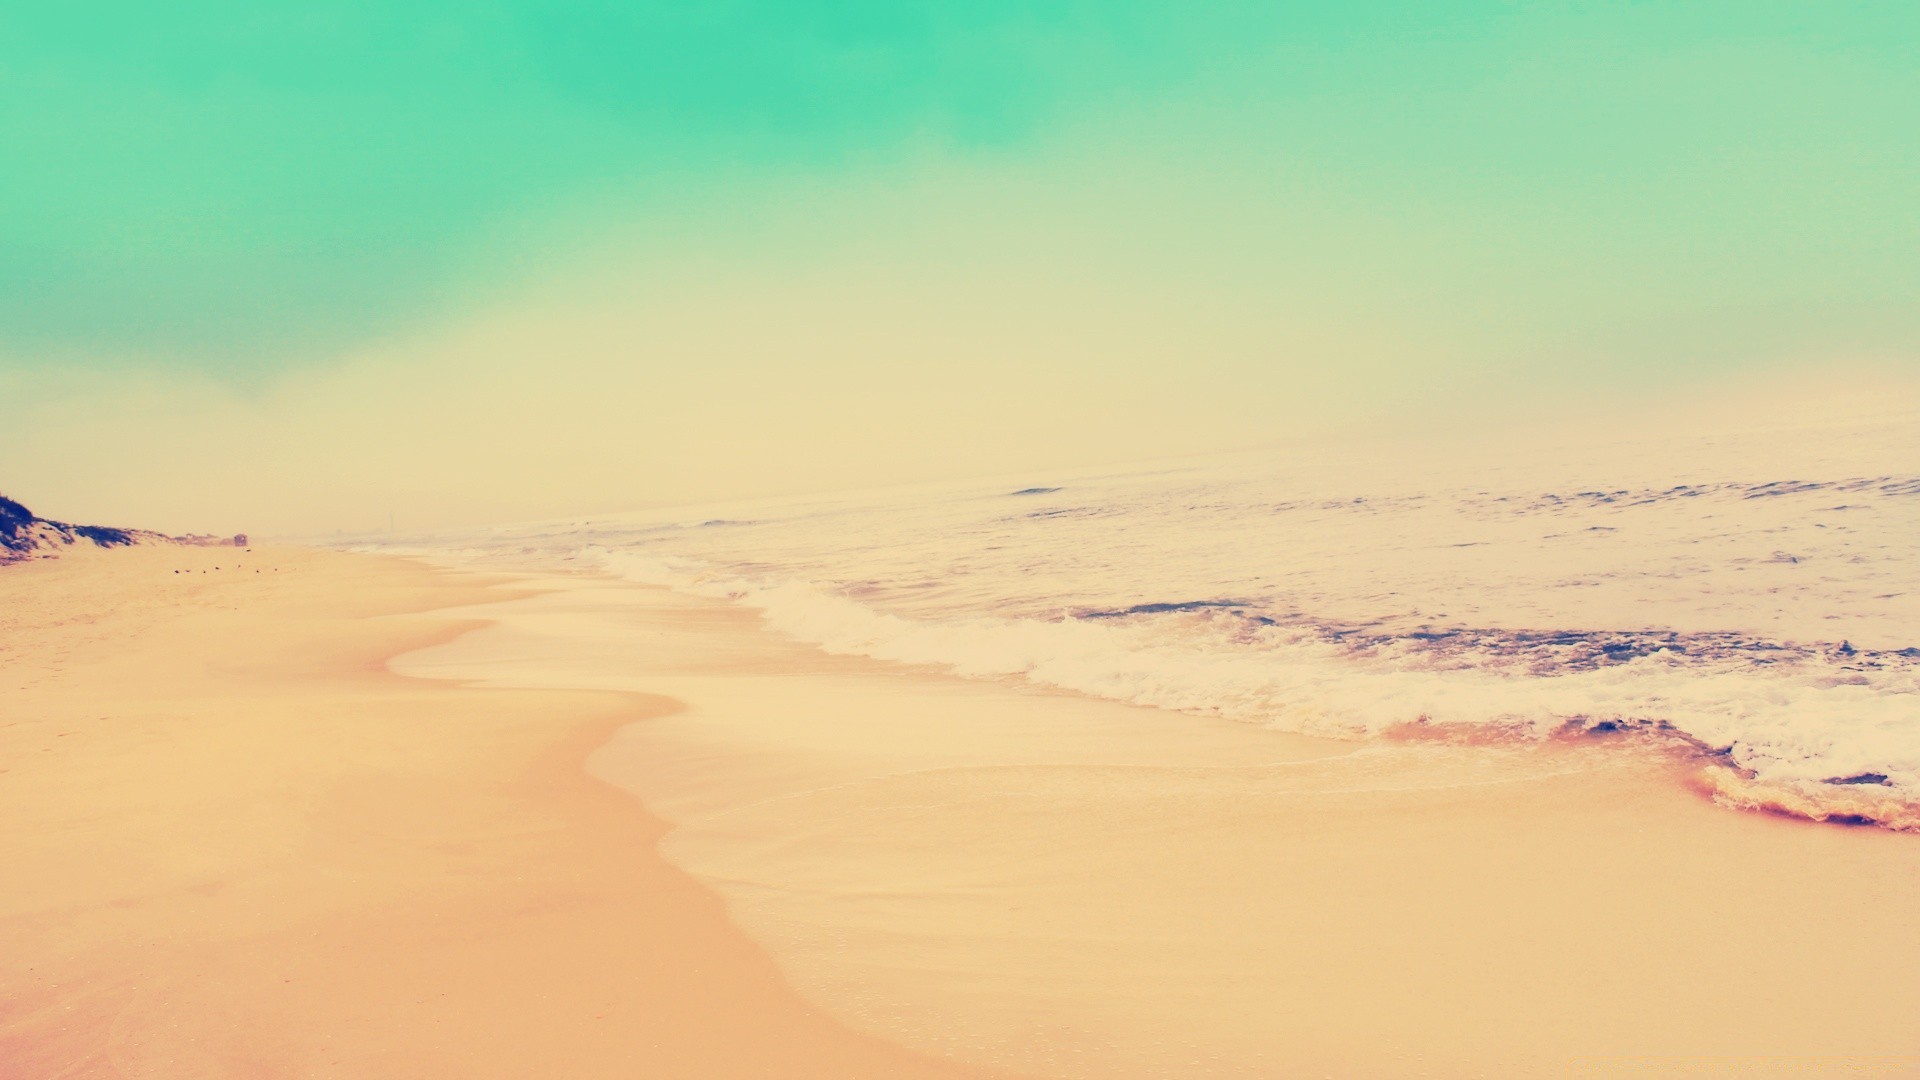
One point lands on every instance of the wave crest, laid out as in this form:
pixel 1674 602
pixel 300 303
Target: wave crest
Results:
pixel 1786 738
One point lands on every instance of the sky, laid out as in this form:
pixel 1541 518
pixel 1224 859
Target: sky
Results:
pixel 309 267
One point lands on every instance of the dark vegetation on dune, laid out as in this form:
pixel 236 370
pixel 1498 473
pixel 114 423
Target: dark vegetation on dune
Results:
pixel 24 534
pixel 15 521
pixel 12 516
pixel 103 535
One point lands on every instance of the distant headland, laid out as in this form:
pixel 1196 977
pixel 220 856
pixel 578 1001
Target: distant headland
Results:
pixel 25 535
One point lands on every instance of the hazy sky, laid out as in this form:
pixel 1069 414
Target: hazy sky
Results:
pixel 301 266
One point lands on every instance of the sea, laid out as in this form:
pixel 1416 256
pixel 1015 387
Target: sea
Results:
pixel 1748 599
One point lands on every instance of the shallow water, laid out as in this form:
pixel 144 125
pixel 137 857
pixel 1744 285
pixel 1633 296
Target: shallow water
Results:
pixel 1750 598
pixel 1065 886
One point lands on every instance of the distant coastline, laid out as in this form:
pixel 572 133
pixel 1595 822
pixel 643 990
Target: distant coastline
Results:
pixel 25 535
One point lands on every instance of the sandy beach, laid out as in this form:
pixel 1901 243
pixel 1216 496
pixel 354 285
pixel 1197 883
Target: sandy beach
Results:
pixel 294 813
pixel 1064 886
pixel 1132 540
pixel 236 846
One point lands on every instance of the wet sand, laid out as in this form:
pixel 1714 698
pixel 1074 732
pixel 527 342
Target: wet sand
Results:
pixel 235 845
pixel 1071 887
pixel 239 844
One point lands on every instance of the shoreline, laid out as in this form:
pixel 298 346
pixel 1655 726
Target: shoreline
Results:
pixel 1060 885
pixel 620 829
pixel 239 845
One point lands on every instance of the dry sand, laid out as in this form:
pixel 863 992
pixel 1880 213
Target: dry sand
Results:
pixel 1080 888
pixel 232 844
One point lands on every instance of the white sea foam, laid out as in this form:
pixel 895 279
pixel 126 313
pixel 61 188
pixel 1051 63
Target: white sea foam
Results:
pixel 1767 617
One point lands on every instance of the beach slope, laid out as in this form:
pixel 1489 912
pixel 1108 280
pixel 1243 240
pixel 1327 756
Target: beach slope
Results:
pixel 236 845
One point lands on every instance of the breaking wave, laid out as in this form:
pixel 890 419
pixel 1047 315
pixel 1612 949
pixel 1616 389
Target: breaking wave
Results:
pixel 1751 602
pixel 1824 733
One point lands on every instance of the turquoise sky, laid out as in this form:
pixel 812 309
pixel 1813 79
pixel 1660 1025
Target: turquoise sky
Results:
pixel 227 184
pixel 1532 194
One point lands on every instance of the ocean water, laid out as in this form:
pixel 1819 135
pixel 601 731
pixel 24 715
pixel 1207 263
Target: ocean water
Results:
pixel 1750 599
